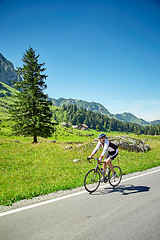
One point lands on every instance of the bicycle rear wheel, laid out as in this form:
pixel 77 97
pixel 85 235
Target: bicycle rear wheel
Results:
pixel 92 180
pixel 117 180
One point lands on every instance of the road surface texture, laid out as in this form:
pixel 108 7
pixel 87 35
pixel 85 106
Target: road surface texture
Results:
pixel 130 211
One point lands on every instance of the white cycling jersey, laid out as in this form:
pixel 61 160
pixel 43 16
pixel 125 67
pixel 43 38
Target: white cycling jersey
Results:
pixel 108 147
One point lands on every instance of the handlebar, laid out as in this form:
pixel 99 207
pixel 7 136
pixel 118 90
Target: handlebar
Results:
pixel 89 159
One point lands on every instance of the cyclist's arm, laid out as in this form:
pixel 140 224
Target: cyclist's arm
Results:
pixel 105 149
pixel 96 149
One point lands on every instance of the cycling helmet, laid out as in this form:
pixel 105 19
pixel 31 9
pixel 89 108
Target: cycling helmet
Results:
pixel 102 135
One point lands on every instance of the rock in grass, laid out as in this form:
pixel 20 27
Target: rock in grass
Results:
pixel 16 141
pixel 68 147
pixel 77 160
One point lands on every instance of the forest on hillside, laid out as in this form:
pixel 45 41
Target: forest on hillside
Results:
pixel 100 122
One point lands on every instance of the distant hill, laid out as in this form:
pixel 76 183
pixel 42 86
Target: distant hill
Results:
pixel 129 117
pixel 7 71
pixel 155 122
pixel 90 106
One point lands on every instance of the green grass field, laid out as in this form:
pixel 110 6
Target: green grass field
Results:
pixel 28 170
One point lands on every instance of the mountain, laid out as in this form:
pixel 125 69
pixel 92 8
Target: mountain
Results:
pixel 129 117
pixel 89 106
pixel 7 71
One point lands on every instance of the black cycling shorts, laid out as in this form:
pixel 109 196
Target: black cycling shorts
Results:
pixel 112 154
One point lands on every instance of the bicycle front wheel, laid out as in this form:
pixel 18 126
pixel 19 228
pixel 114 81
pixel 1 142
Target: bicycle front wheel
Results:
pixel 92 180
pixel 117 180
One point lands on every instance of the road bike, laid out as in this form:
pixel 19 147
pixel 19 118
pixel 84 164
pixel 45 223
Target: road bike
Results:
pixel 93 177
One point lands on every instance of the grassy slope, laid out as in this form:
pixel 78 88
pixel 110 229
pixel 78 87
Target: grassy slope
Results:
pixel 5 99
pixel 29 170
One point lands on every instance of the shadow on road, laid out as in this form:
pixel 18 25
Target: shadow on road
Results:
pixel 124 189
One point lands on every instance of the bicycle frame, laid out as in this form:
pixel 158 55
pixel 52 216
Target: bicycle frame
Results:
pixel 99 170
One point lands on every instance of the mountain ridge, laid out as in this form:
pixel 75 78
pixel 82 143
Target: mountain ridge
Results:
pixel 89 106
pixel 99 108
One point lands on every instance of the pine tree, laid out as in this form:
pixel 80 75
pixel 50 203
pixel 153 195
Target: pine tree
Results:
pixel 31 111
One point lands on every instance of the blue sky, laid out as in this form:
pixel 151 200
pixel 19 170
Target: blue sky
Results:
pixel 96 50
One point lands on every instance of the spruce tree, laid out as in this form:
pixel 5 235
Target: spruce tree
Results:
pixel 30 110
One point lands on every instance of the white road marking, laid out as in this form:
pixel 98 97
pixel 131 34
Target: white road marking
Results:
pixel 68 196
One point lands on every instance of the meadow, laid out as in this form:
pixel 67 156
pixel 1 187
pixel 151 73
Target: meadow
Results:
pixel 28 170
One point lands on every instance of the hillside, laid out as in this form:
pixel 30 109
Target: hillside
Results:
pixel 5 98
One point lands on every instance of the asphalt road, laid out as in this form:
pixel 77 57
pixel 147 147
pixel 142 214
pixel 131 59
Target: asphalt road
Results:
pixel 131 211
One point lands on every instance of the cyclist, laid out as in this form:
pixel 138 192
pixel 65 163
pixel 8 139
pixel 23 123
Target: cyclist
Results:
pixel 110 151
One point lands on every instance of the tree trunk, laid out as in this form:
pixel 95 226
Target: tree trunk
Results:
pixel 35 139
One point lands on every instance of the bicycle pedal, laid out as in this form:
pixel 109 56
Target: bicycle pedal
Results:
pixel 105 180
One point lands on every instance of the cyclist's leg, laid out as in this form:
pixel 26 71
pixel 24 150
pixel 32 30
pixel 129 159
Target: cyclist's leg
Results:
pixel 108 162
pixel 105 163
pixel 110 159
